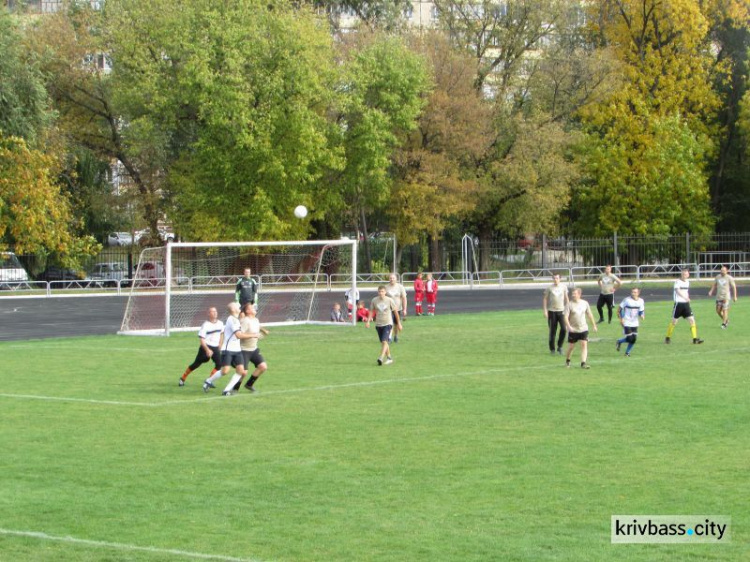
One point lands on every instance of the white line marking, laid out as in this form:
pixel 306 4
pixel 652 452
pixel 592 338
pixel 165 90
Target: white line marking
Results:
pixel 120 546
pixel 545 366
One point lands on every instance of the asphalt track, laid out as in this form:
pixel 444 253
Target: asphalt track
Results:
pixel 55 317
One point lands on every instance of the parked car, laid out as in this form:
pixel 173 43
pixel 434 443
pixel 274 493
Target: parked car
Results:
pixel 151 274
pixel 109 273
pixel 55 273
pixel 12 273
pixel 164 235
pixel 120 239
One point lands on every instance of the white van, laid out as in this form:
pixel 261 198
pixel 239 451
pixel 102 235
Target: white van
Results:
pixel 12 273
pixel 109 273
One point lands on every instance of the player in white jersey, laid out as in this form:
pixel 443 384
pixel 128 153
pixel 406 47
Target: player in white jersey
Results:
pixel 210 336
pixel 632 310
pixel 725 289
pixel 576 313
pixel 682 307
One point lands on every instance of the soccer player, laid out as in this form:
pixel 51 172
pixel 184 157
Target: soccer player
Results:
pixel 209 349
pixel 608 284
pixel 231 353
pixel 246 290
pixel 632 310
pixel 578 330
pixel 682 307
pixel 553 304
pixel 725 288
pixel 418 294
pixel 396 291
pixel 383 310
pixel 336 314
pixel 430 291
pixel 251 332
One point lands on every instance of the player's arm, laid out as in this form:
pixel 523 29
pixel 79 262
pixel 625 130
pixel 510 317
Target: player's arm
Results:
pixel 566 298
pixel 206 349
pixel 712 289
pixel 618 282
pixel 566 318
pixel 734 290
pixel 237 291
pixel 397 316
pixel 370 316
pixel 544 305
pixel 591 317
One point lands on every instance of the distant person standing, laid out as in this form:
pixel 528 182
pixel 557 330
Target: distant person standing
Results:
pixel 418 294
pixel 681 296
pixel 352 297
pixel 209 350
pixel 246 290
pixel 578 329
pixel 383 311
pixel 430 291
pixel 553 304
pixel 725 289
pixel 632 310
pixel 608 284
pixel 396 291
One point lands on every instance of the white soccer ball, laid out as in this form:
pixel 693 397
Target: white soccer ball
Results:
pixel 300 211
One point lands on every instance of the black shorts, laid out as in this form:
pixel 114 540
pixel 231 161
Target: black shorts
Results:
pixel 201 357
pixel 253 357
pixel 232 359
pixel 627 330
pixel 573 337
pixel 682 310
pixel 384 332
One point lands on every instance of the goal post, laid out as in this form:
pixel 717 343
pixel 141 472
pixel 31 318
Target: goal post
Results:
pixel 298 282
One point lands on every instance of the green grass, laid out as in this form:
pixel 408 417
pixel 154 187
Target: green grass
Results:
pixel 475 444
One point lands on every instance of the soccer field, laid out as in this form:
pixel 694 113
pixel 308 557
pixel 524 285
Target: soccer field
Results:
pixel 475 444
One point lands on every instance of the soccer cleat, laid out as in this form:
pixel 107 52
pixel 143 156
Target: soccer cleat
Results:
pixel 559 350
pixel 617 346
pixel 250 388
pixel 667 340
pixel 388 361
pixel 395 339
pixel 697 340
pixel 380 361
pixel 181 383
pixel 567 363
pixel 600 320
pixel 207 384
pixel 552 352
pixel 627 354
pixel 228 393
pixel 723 326
pixel 585 366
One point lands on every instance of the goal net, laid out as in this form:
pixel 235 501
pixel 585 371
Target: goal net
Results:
pixel 298 282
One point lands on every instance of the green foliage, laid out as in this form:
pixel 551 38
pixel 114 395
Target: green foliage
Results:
pixel 653 183
pixel 24 104
pixel 35 216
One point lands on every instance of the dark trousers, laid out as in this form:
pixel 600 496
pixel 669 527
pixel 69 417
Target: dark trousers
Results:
pixel 609 300
pixel 555 319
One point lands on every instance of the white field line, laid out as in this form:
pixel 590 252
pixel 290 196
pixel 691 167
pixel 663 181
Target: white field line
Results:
pixel 327 387
pixel 126 547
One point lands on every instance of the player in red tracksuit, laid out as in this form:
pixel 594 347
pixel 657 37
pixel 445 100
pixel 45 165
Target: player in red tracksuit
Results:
pixel 418 294
pixel 431 289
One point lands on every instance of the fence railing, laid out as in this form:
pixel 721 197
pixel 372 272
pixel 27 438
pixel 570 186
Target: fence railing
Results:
pixel 329 282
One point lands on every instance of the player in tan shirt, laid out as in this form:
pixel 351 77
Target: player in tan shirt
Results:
pixel 553 304
pixel 608 284
pixel 725 289
pixel 385 313
pixel 576 313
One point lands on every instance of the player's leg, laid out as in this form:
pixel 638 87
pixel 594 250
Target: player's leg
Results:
pixel 610 302
pixel 600 308
pixel 632 337
pixel 563 332
pixel 694 329
pixel 569 353
pixel 672 324
pixel 200 358
pixel 584 353
pixel 260 367
pixel 226 366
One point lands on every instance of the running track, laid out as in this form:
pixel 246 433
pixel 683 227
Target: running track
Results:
pixel 40 318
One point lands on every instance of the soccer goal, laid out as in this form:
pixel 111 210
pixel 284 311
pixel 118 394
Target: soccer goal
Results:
pixel 174 285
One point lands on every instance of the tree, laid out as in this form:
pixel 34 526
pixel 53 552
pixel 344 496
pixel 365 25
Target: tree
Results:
pixel 385 91
pixel 374 14
pixel 435 169
pixel 24 104
pixel 35 216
